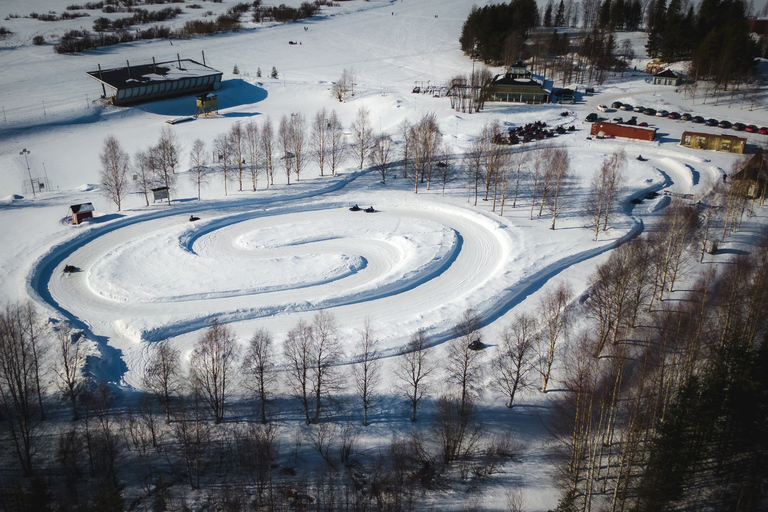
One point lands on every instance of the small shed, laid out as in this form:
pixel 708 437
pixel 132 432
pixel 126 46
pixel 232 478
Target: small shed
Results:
pixel 722 142
pixel 80 212
pixel 666 77
pixel 160 194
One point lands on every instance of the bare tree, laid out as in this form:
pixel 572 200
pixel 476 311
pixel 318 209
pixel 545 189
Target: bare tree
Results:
pixel 297 350
pixel 237 140
pixel 259 368
pixel 222 147
pixel 512 361
pixel 162 376
pixel 145 176
pixel 266 140
pixel 284 140
pixel 614 177
pixel 326 354
pixel 381 155
pixel 318 139
pixel 211 366
pixel 71 358
pixel 559 169
pixel 114 170
pixel 362 133
pixel 298 143
pixel 166 154
pixel 463 358
pixel 20 385
pixel 192 435
pixel 413 369
pixel 554 322
pixel 367 370
pixel 445 171
pixel 337 147
pixel 198 165
pixel 253 149
pixel 343 86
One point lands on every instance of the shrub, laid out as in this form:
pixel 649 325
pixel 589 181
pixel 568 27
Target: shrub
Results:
pixel 38 40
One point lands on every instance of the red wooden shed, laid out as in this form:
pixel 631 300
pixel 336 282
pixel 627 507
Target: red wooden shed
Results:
pixel 80 212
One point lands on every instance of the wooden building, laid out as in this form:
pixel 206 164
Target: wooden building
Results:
pixel 79 212
pixel 666 77
pixel 722 142
pixel 518 90
pixel 157 80
pixel 751 179
pixel 623 130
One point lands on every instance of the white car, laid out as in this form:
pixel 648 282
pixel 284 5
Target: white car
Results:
pixel 602 108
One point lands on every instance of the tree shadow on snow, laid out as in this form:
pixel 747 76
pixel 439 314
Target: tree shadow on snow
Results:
pixel 233 93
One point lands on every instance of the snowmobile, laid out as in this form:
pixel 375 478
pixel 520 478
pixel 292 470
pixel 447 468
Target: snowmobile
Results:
pixel 355 209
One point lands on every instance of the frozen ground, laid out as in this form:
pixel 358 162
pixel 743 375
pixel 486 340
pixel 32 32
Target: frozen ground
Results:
pixel 268 258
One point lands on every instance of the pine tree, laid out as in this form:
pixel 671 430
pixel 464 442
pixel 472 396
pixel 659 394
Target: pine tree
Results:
pixel 548 15
pixel 560 16
pixel 273 74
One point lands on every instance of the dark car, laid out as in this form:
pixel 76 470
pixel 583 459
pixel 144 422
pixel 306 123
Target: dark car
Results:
pixel 617 120
pixel 711 122
pixel 626 107
pixel 686 117
pixel 616 104
pixel 674 115
pixel 724 124
pixel 662 113
pixel 739 127
pixel 591 118
pixel 650 111
pixel 697 119
pixel 639 109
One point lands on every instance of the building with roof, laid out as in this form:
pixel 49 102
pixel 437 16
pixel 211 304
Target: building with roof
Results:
pixel 79 212
pixel 722 142
pixel 158 80
pixel 519 90
pixel 666 77
pixel 750 180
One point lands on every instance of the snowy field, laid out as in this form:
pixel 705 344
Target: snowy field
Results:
pixel 270 257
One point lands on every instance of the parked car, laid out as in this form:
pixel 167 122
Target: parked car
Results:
pixel 591 118
pixel 632 120
pixel 616 104
pixel 662 113
pixel 751 128
pixel 686 117
pixel 617 120
pixel 697 119
pixel 763 130
pixel 739 127
pixel 674 115
pixel 639 109
pixel 642 123
pixel 626 107
pixel 602 108
pixel 724 124
pixel 711 122
pixel 650 111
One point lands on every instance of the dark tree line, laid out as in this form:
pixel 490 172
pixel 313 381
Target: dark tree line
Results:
pixel 716 38
pixel 487 30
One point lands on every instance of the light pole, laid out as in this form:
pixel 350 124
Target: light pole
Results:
pixel 25 152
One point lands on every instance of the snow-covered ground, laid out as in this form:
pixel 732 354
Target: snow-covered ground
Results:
pixel 268 258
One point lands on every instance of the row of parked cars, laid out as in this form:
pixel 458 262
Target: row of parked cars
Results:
pixel 626 107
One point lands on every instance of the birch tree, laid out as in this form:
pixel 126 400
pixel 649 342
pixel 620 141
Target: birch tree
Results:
pixel 512 362
pixel 212 365
pixel 554 327
pixel 260 369
pixel 413 370
pixel 113 176
pixel 367 371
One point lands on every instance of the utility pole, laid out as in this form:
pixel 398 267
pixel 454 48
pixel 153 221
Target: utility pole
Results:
pixel 25 152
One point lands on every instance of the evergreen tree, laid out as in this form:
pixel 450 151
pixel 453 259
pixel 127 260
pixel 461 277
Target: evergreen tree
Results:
pixel 560 16
pixel 548 15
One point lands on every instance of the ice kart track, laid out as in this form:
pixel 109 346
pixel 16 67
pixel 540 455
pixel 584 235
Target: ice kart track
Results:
pixel 412 264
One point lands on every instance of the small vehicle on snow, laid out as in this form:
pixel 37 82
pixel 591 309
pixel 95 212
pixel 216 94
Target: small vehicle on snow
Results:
pixel 355 209
pixel 369 210
pixel 192 218
pixel 68 269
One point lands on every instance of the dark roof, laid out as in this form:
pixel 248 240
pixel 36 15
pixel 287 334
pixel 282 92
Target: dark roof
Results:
pixel 169 71
pixel 80 208
pixel 159 189
pixel 667 73
pixel 517 82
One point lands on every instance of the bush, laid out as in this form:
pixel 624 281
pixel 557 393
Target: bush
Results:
pixel 38 40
